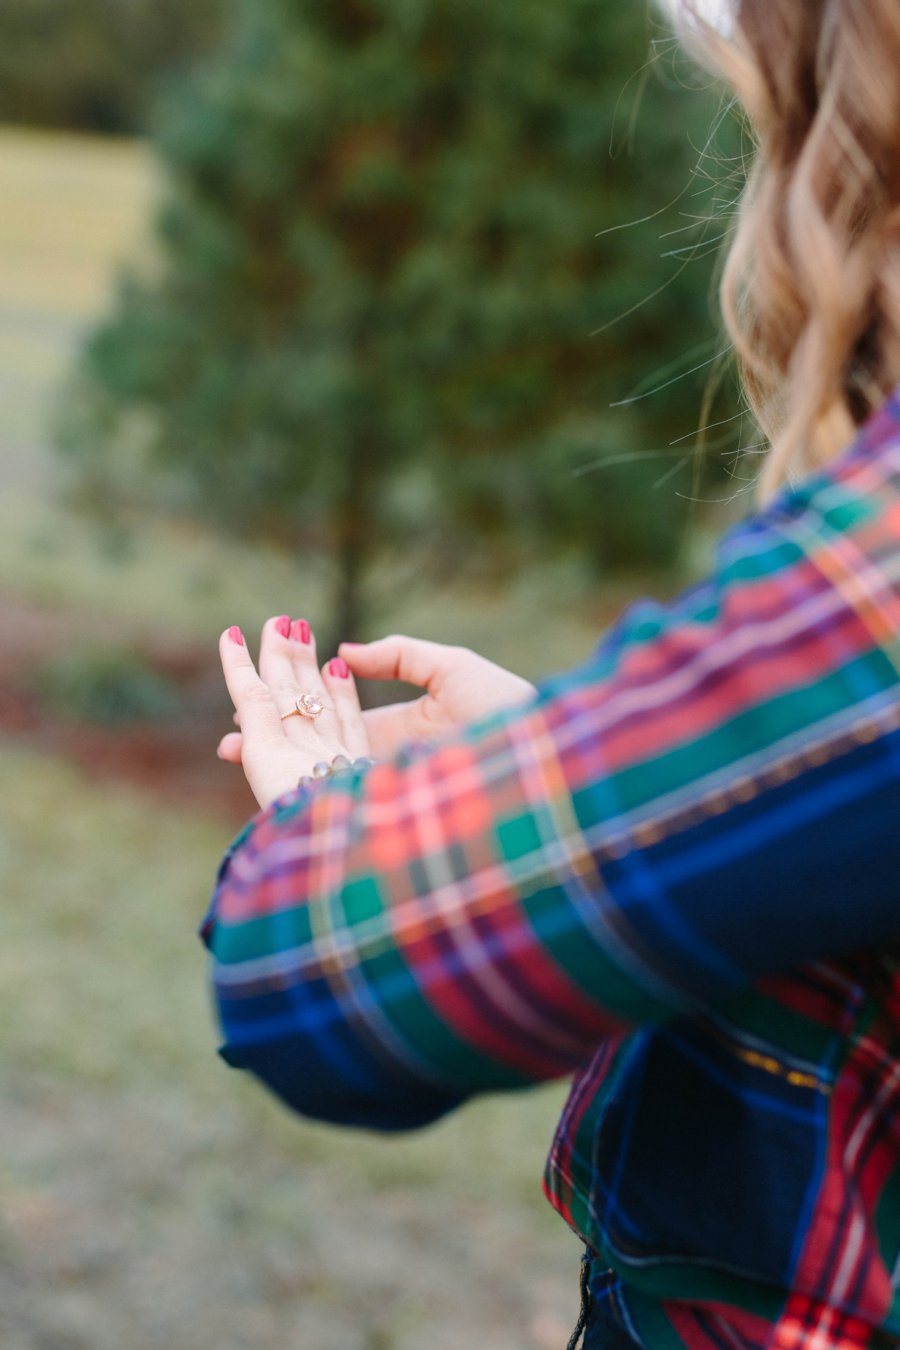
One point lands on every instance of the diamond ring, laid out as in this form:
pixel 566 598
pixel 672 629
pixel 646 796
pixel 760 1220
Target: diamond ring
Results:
pixel 307 705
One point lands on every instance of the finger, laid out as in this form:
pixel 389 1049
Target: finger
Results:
pixel 250 696
pixel 288 666
pixel 305 667
pixel 413 660
pixel 343 697
pixel 305 663
pixel 276 662
pixel 230 747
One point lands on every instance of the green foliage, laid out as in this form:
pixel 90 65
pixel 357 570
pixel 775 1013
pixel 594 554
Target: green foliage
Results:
pixel 381 266
pixel 109 686
pixel 93 64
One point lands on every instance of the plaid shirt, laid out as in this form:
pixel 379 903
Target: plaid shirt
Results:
pixel 674 874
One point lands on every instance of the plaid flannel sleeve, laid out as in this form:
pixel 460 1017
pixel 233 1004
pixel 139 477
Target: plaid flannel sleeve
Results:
pixel 714 797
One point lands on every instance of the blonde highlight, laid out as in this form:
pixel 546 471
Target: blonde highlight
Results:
pixel 810 291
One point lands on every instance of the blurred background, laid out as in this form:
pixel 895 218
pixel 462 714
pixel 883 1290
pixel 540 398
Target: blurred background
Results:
pixel 393 315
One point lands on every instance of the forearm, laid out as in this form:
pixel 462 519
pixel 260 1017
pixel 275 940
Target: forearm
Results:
pixel 679 819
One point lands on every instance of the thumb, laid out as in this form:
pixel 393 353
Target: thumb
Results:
pixel 230 747
pixel 412 660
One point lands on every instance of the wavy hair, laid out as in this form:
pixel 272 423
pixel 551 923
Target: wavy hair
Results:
pixel 811 285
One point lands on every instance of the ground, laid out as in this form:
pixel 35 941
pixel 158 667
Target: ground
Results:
pixel 150 1197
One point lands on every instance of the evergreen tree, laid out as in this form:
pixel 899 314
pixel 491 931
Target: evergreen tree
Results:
pixel 369 323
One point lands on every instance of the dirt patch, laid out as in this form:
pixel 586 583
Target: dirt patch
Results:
pixel 174 758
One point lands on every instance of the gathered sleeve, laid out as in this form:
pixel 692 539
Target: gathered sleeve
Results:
pixel 713 798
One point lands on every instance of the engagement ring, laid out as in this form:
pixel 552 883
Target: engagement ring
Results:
pixel 307 705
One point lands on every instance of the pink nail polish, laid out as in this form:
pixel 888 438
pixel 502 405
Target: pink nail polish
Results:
pixel 283 626
pixel 236 636
pixel 300 631
pixel 339 668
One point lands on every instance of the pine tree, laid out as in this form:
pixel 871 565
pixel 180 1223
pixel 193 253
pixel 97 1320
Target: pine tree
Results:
pixel 379 268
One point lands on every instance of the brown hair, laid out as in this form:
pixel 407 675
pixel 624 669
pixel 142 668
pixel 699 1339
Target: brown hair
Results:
pixel 811 286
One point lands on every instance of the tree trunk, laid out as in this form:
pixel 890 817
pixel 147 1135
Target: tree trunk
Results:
pixel 354 539
pixel 348 618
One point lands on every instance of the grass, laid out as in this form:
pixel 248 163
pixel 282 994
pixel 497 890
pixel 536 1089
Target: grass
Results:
pixel 108 894
pixel 117 1117
pixel 74 208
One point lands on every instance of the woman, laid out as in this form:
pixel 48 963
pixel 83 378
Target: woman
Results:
pixel 675 871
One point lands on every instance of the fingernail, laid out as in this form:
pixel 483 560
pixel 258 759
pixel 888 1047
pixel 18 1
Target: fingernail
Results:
pixel 236 636
pixel 300 631
pixel 339 668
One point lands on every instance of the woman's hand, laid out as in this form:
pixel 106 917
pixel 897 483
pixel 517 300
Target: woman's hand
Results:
pixel 276 745
pixel 460 687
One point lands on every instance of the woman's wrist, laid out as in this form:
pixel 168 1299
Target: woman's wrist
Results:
pixel 341 764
